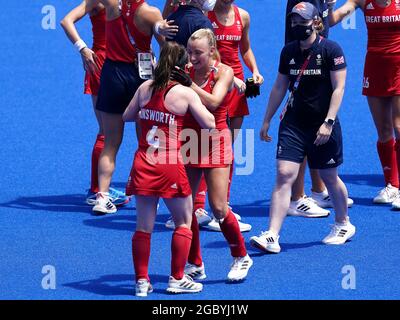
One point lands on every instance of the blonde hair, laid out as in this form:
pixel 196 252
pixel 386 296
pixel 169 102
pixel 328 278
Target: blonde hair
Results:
pixel 211 39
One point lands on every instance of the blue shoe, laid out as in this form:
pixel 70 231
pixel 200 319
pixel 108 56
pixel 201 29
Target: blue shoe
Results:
pixel 118 198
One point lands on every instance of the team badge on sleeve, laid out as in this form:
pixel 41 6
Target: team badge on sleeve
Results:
pixel 338 61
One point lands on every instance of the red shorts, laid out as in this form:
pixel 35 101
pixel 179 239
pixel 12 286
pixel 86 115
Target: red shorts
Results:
pixel 92 80
pixel 238 106
pixel 214 150
pixel 381 75
pixel 149 178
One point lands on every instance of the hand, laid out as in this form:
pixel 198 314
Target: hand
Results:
pixel 239 85
pixel 90 60
pixel 258 78
pixel 252 89
pixel 323 134
pixel 331 4
pixel 181 76
pixel 264 132
pixel 167 28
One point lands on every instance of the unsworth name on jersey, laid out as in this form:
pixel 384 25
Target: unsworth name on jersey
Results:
pixel 157 116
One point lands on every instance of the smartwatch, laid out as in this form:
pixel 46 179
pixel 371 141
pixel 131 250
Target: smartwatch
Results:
pixel 330 122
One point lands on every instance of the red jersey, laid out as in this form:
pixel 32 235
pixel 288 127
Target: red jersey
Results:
pixel 221 113
pixel 123 39
pixel 228 41
pixel 219 150
pixel 160 128
pixel 99 30
pixel 140 40
pixel 383 26
pixel 158 168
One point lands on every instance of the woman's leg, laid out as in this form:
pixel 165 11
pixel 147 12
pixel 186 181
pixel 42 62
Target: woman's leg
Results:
pixel 97 149
pixel 146 210
pixel 194 176
pixel 287 172
pixel 113 131
pixel 337 191
pixel 217 183
pixel 181 210
pixel 381 111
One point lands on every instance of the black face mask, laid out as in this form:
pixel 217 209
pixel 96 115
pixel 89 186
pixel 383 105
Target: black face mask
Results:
pixel 302 33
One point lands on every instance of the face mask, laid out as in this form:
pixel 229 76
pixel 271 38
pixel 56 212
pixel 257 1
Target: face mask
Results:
pixel 302 32
pixel 208 5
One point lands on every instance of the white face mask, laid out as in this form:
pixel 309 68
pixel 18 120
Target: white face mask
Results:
pixel 208 5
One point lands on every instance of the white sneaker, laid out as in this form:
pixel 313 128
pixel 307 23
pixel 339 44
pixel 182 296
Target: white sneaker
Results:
pixel 340 233
pixel 238 217
pixel 195 272
pixel 396 202
pixel 306 207
pixel 239 268
pixel 185 285
pixel 214 226
pixel 386 195
pixel 266 241
pixel 143 287
pixel 103 204
pixel 202 218
pixel 323 200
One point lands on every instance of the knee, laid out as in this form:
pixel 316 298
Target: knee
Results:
pixel 330 179
pixel 385 132
pixel 219 209
pixel 285 177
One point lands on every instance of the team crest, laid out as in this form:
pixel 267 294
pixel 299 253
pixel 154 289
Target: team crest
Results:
pixel 319 60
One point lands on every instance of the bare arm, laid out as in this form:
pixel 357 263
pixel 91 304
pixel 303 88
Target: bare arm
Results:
pixel 246 51
pixel 68 24
pixel 278 92
pixel 224 83
pixel 336 16
pixel 338 80
pixel 132 111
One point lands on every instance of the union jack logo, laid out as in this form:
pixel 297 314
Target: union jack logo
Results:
pixel 338 60
pixel 301 6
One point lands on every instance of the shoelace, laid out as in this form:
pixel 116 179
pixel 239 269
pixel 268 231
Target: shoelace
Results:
pixel 236 262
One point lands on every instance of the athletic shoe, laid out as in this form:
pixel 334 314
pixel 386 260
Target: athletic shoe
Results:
pixel 267 242
pixel 214 226
pixel 185 285
pixel 103 204
pixel 387 194
pixel 202 218
pixel 118 198
pixel 396 202
pixel 195 272
pixel 340 233
pixel 143 287
pixel 238 217
pixel 323 200
pixel 306 207
pixel 239 268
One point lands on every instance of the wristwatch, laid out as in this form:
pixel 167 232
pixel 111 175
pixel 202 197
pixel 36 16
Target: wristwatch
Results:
pixel 329 122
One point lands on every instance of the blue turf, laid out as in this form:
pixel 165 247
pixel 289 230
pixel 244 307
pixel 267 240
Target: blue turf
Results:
pixel 48 130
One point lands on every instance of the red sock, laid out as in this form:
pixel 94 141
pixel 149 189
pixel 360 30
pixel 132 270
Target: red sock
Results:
pixel 141 254
pixel 180 246
pixel 231 231
pixel 397 148
pixel 97 149
pixel 195 252
pixel 230 178
pixel 387 155
pixel 200 201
